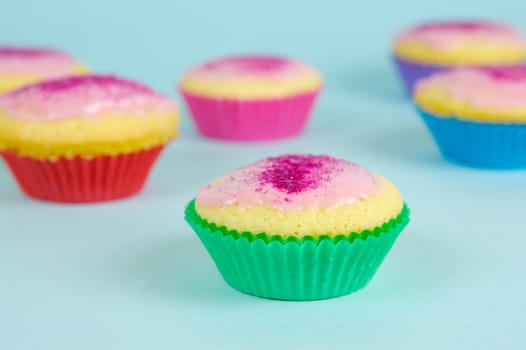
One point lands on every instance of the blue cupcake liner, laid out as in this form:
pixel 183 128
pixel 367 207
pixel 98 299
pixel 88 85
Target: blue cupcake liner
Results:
pixel 478 144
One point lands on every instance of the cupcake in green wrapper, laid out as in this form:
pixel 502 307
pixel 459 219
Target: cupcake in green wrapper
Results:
pixel 298 227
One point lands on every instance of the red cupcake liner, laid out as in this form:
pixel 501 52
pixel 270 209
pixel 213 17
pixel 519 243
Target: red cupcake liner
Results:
pixel 82 180
pixel 250 120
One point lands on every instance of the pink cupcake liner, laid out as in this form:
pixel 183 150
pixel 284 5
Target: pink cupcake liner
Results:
pixel 82 180
pixel 250 120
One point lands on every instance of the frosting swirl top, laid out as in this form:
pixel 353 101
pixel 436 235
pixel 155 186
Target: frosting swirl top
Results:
pixel 44 63
pixel 242 67
pixel 489 92
pixel 88 96
pixel 291 182
pixel 448 35
pixel 463 42
pixel 251 76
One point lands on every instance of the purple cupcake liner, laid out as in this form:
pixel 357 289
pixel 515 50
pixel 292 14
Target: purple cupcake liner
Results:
pixel 411 71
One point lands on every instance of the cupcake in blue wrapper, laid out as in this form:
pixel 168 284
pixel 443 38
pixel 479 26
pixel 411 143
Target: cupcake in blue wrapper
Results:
pixel 434 47
pixel 477 115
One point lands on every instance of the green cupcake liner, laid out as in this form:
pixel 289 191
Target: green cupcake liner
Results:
pixel 296 269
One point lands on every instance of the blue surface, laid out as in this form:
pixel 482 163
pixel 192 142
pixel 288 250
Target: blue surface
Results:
pixel 132 275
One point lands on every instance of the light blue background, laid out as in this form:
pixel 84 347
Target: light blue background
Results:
pixel 131 274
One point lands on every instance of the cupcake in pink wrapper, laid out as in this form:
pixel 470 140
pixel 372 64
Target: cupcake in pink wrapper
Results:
pixel 20 66
pixel 251 98
pixel 429 48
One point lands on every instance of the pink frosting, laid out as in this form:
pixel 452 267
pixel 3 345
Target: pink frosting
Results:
pixel 43 63
pixel 500 88
pixel 448 35
pixel 88 96
pixel 291 182
pixel 241 67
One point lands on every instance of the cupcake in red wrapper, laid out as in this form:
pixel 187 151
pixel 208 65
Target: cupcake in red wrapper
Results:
pixel 84 139
pixel 251 98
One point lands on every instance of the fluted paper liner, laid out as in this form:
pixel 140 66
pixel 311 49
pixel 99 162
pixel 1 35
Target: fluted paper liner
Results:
pixel 82 180
pixel 296 269
pixel 479 144
pixel 252 119
pixel 412 71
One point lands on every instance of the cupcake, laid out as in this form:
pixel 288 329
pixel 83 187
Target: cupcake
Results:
pixel 430 48
pixel 298 227
pixel 84 139
pixel 20 66
pixel 477 115
pixel 250 98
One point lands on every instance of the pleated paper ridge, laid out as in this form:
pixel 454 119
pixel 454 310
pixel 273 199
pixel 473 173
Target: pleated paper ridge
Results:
pixel 82 180
pixel 250 120
pixel 479 144
pixel 297 269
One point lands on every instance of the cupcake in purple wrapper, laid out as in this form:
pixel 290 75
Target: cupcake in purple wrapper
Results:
pixel 251 98
pixel 429 48
pixel 477 115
